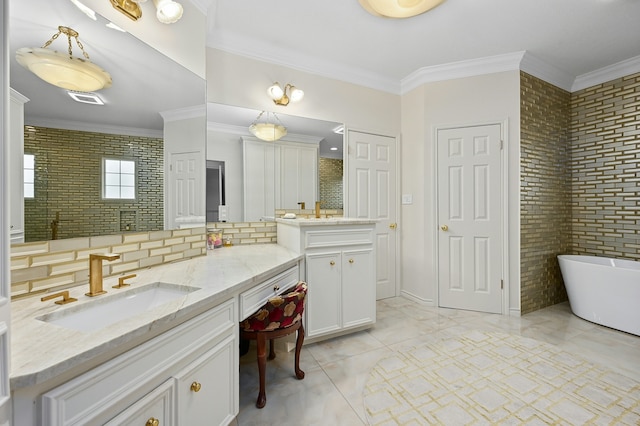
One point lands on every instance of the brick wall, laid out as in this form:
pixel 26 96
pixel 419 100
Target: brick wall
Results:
pixel 545 215
pixel 246 232
pixel 330 176
pixel 605 165
pixel 68 182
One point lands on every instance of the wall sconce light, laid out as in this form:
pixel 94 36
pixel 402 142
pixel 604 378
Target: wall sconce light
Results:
pixel 130 8
pixel 267 131
pixel 398 8
pixel 62 70
pixel 167 11
pixel 280 96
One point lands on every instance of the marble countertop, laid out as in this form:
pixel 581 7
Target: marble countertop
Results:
pixel 41 351
pixel 324 221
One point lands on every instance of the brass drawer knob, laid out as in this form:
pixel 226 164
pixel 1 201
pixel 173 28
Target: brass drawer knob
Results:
pixel 332 263
pixel 153 422
pixel 444 227
pixel 351 260
pixel 195 386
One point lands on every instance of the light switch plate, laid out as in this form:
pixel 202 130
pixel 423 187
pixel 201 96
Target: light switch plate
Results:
pixel 407 199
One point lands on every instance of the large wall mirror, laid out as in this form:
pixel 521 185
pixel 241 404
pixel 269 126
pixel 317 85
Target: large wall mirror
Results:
pixel 254 179
pixel 70 141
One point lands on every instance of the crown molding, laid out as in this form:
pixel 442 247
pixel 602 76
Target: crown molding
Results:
pixel 608 73
pixel 254 49
pixel 547 72
pixel 462 69
pixel 184 113
pixel 17 96
pixel 83 126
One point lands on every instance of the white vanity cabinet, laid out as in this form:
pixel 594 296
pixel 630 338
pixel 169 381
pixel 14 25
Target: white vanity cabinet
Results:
pixel 185 376
pixel 339 270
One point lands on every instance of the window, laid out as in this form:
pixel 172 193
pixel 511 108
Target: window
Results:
pixel 29 175
pixel 119 179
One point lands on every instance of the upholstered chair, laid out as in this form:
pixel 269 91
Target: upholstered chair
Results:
pixel 280 316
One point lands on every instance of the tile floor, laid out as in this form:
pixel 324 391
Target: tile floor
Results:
pixel 337 369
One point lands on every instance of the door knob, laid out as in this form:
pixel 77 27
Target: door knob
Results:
pixel 393 225
pixel 444 227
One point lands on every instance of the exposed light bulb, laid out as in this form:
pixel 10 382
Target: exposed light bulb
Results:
pixel 168 11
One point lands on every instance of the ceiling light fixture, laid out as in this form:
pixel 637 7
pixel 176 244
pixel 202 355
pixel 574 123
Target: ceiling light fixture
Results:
pixel 86 98
pixel 280 96
pixel 63 70
pixel 398 8
pixel 267 131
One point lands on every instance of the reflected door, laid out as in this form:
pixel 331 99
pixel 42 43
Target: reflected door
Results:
pixel 372 193
pixel 185 189
pixel 469 214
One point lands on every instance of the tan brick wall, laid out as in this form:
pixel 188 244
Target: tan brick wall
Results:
pixel 605 165
pixel 68 182
pixel 56 264
pixel 246 232
pixel 545 215
pixel 331 189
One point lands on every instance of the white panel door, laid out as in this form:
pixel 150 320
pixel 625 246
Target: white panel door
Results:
pixel 470 218
pixel 186 187
pixel 372 193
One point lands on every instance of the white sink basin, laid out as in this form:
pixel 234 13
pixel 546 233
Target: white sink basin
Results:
pixel 100 313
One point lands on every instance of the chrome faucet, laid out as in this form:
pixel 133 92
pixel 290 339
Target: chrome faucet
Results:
pixel 95 272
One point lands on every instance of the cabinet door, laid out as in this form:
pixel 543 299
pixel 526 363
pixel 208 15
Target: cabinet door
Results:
pixel 358 288
pixel 259 180
pixel 157 405
pixel 207 388
pixel 323 298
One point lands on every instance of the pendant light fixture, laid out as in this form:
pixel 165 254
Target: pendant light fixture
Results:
pixel 398 8
pixel 267 131
pixel 64 70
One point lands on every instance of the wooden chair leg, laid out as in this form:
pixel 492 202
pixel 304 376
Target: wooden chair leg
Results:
pixel 262 366
pixel 272 350
pixel 299 341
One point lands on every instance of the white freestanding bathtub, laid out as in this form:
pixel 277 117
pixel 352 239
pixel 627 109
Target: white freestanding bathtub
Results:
pixel 603 290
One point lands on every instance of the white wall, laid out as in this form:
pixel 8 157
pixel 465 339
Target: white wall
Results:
pixel 239 81
pixel 464 101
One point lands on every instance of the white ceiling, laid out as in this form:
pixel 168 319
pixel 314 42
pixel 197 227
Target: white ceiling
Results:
pixel 339 39
pixel 334 38
pixel 144 81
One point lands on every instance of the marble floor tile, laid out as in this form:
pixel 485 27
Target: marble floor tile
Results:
pixel 337 369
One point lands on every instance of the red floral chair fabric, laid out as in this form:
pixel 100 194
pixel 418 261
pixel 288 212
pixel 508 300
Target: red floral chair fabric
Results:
pixel 279 312
pixel 280 316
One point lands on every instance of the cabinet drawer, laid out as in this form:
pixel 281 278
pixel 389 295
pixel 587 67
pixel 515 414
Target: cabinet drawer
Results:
pixel 158 404
pixel 253 299
pixel 338 237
